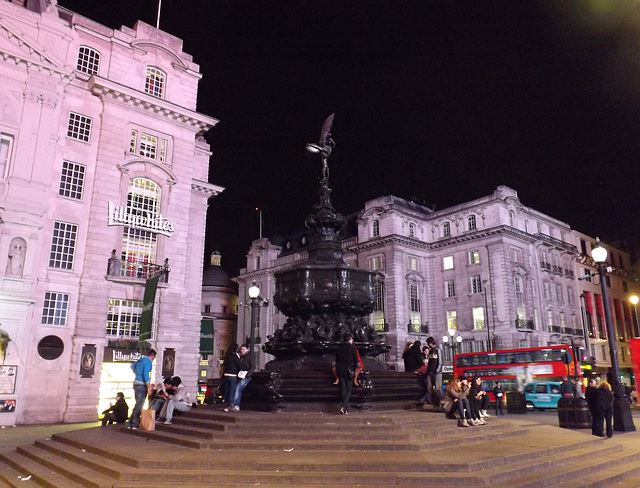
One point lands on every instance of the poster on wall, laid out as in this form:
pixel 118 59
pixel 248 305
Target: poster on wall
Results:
pixel 7 406
pixel 8 379
pixel 88 361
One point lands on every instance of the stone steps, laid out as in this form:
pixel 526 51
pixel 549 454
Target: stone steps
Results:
pixel 239 455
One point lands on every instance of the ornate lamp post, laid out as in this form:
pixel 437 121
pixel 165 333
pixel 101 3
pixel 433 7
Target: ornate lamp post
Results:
pixel 452 342
pixel 622 420
pixel 634 300
pixel 254 296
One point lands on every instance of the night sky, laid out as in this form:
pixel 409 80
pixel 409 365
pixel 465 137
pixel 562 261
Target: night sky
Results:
pixel 435 101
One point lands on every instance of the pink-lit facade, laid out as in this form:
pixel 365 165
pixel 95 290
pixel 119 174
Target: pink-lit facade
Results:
pixel 103 183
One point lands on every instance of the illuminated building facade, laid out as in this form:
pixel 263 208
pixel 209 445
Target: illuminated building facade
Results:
pixel 499 274
pixel 103 184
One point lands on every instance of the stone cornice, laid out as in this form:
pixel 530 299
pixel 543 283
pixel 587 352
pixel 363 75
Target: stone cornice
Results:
pixel 205 188
pixel 30 54
pixel 107 89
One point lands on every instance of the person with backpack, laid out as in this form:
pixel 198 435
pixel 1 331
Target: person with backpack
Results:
pixel 142 369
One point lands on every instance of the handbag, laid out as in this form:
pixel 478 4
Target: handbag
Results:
pixel 148 419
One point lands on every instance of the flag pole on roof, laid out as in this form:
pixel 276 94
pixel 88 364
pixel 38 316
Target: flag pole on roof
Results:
pixel 158 14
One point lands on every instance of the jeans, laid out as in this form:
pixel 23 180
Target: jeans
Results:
pixel 140 392
pixel 157 405
pixel 230 389
pixel 172 405
pixel 237 397
pixel 346 385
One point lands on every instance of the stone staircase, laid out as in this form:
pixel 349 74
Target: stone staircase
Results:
pixel 209 448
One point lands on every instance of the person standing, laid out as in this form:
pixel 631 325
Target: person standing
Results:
pixel 346 365
pixel 141 384
pixel 413 357
pixel 605 409
pixel 498 393
pixel 434 371
pixel 117 413
pixel 231 366
pixel 566 387
pixel 244 375
pixel 591 395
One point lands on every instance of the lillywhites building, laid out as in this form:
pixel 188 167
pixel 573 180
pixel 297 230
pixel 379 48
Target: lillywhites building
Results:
pixel 103 185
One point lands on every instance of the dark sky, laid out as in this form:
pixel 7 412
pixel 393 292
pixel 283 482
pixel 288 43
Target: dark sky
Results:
pixel 436 100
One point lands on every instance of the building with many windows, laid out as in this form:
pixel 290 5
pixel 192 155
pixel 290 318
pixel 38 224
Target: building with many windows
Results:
pixel 496 273
pixel 103 185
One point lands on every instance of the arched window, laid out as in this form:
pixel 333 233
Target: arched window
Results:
pixel 155 82
pixel 412 230
pixel 414 308
pixel 88 60
pixel 446 229
pixel 471 222
pixel 139 246
pixel 376 228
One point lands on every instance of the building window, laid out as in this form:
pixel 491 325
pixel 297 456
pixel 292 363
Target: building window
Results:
pixel 449 288
pixel 139 246
pixel 376 228
pixel 550 318
pixel 6 144
pixel 563 320
pixel 54 310
pixel 378 307
pixel 446 229
pixel 414 298
pixel 547 290
pixel 447 262
pixel 163 151
pixel 475 284
pixel 570 299
pixel 559 292
pixel 474 257
pixel 413 264
pixel 134 141
pixel 79 127
pixel 412 230
pixel 519 289
pixel 376 262
pixel 88 60
pixel 452 319
pixel 478 318
pixel 155 81
pixel 123 318
pixel 471 222
pixel 207 309
pixel 72 180
pixel 63 245
pixel 148 146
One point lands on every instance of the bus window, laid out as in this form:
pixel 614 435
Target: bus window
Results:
pixel 482 359
pixel 462 361
pixel 542 356
pixel 493 358
pixel 503 358
pixel 474 360
pixel 523 357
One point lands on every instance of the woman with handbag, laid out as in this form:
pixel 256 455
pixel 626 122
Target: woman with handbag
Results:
pixel 346 365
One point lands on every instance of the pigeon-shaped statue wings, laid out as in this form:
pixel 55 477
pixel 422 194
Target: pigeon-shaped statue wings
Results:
pixel 324 146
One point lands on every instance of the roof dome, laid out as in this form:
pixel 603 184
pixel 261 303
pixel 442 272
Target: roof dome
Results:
pixel 214 275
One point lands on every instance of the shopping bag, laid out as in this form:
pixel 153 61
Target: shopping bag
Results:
pixel 148 419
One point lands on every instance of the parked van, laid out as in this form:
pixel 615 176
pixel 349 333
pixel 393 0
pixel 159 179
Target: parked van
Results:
pixel 542 394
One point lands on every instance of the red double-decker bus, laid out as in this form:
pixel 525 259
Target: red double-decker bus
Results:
pixel 517 367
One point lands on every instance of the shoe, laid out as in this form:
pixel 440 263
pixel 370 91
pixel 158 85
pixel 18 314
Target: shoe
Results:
pixel 474 422
pixel 484 413
pixel 226 409
pixel 160 419
pixel 167 422
pixel 343 411
pixel 482 422
pixel 133 428
pixel 462 423
pixel 235 409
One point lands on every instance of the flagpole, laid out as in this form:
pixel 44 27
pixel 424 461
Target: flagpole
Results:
pixel 158 14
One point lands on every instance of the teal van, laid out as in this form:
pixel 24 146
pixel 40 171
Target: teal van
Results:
pixel 542 394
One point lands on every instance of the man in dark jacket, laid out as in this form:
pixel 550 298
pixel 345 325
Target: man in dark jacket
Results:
pixel 591 395
pixel 434 371
pixel 117 413
pixel 346 364
pixel 244 375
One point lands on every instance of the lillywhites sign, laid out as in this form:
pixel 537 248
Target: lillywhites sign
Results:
pixel 145 220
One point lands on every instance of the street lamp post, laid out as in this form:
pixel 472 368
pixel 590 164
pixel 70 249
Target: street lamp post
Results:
pixel 254 296
pixel 622 420
pixel 634 300
pixel 452 342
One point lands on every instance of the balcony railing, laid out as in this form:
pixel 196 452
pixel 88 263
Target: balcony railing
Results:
pixel 545 266
pixel 556 329
pixel 568 273
pixel 418 328
pixel 557 269
pixel 137 270
pixel 522 324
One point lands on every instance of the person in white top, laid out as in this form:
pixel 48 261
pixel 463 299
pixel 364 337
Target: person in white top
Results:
pixel 179 400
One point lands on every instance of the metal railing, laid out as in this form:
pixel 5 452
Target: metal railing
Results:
pixel 137 270
pixel 524 324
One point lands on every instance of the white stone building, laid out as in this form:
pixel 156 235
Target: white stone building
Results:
pixel 491 270
pixel 103 183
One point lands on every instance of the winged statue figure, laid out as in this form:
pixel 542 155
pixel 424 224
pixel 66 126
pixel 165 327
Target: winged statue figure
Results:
pixel 325 145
